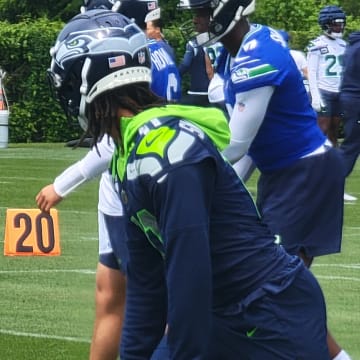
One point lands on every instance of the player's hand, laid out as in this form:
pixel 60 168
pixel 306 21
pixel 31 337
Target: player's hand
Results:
pixel 47 198
pixel 318 105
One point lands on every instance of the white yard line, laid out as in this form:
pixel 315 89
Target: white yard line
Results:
pixel 78 271
pixel 324 277
pixel 44 336
pixel 345 266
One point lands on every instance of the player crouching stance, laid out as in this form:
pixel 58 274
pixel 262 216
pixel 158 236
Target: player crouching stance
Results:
pixel 200 258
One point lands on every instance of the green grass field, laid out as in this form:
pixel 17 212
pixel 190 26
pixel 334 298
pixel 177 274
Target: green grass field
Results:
pixel 47 303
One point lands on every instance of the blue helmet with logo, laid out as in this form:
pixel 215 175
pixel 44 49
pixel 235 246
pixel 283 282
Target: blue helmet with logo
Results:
pixel 95 52
pixel 332 20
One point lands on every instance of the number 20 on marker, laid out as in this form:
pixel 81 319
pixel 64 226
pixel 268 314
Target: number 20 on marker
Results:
pixel 30 232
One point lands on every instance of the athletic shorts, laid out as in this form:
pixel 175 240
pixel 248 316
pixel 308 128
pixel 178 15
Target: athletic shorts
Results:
pixel 290 325
pixel 332 103
pixel 112 241
pixel 303 203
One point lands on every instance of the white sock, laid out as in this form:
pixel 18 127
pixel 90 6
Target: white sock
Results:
pixel 342 355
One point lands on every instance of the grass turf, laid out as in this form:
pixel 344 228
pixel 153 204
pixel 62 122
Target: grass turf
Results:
pixel 47 303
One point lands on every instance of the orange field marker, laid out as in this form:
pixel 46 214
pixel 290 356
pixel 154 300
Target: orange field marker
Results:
pixel 30 232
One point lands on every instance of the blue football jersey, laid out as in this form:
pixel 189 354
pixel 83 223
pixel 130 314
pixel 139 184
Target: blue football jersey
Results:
pixel 166 80
pixel 289 130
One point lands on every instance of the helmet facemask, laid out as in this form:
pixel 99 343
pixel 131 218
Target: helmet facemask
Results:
pixel 223 16
pixel 336 29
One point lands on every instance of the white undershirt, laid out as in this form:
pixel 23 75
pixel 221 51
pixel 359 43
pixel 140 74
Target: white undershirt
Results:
pixel 246 119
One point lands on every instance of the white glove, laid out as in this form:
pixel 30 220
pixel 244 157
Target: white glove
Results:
pixel 317 105
pixel 216 89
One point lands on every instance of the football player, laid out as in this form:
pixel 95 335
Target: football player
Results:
pixel 110 275
pixel 350 104
pixel 200 257
pixel 325 64
pixel 301 184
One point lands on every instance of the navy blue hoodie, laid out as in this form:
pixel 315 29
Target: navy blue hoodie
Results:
pixel 351 76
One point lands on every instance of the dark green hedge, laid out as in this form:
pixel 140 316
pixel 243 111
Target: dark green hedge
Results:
pixel 35 115
pixel 24 55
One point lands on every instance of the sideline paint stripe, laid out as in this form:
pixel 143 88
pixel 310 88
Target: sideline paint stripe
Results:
pixel 78 271
pixel 43 336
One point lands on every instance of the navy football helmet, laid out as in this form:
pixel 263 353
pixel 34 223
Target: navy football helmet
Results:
pixel 332 20
pixel 133 9
pixel 100 4
pixel 137 9
pixel 224 14
pixel 96 51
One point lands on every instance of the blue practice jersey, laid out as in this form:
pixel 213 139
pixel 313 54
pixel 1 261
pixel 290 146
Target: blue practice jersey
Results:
pixel 194 233
pixel 166 80
pixel 289 129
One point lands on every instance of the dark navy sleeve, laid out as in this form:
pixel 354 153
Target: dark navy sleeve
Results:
pixel 187 60
pixel 145 315
pixel 184 201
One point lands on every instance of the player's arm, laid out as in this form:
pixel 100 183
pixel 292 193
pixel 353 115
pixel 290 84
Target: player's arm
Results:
pixel 302 63
pixel 208 66
pixel 313 64
pixel 247 116
pixel 183 217
pixel 182 201
pixel 146 306
pixel 187 59
pixel 216 89
pixel 93 164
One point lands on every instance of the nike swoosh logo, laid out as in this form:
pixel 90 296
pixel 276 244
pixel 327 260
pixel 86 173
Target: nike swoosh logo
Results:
pixel 250 333
pixel 151 141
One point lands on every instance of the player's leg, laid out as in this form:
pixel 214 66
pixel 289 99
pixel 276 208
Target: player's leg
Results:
pixel 334 347
pixel 305 258
pixel 110 291
pixel 335 118
pixel 333 133
pixel 324 123
pixel 326 120
pixel 109 313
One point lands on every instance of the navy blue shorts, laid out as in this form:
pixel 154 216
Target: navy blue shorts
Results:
pixel 162 351
pixel 117 258
pixel 332 103
pixel 303 203
pixel 290 325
